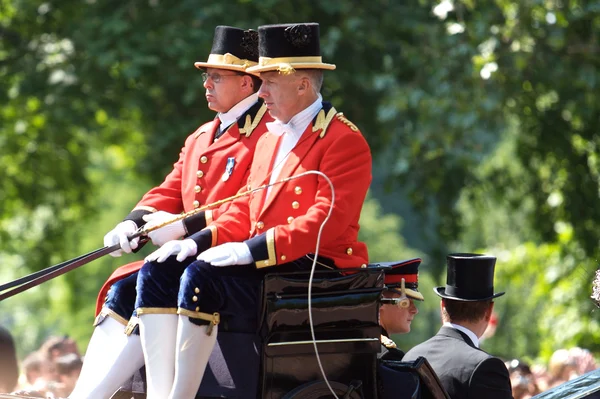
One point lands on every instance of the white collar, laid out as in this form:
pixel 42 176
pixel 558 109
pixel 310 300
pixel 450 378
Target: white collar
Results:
pixel 227 118
pixel 299 122
pixel 465 330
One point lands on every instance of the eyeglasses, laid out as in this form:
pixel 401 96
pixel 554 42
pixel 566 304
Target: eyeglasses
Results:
pixel 216 77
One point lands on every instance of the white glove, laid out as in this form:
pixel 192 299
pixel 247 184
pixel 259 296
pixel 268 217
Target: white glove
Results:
pixel 119 235
pixel 181 248
pixel 172 231
pixel 228 254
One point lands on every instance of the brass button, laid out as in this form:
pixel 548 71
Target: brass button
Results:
pixel 197 308
pixel 199 174
pixel 298 190
pixel 267 263
pixel 197 290
pixel 349 251
pixel 203 159
pixel 197 189
pixel 295 205
pixel 290 219
pixel 260 225
pixel 283 257
pixel 363 266
pixel 195 298
pixel 196 204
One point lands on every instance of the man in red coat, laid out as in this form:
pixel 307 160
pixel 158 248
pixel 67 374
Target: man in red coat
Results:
pixel 275 229
pixel 214 163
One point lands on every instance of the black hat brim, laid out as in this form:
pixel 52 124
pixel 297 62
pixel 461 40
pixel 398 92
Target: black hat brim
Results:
pixel 441 291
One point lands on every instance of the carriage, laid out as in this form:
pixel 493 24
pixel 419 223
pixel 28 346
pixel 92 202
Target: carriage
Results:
pixel 279 361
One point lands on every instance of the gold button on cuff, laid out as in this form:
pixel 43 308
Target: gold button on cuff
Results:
pixel 196 204
pixel 195 298
pixel 197 308
pixel 199 174
pixel 349 251
pixel 260 225
pixel 290 219
pixel 298 190
pixel 295 205
pixel 283 257
pixel 197 290
pixel 363 266
pixel 203 159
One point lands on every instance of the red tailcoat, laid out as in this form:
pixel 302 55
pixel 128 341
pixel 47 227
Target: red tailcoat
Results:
pixel 284 226
pixel 197 177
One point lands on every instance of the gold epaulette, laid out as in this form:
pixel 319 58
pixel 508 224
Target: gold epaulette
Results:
pixel 323 121
pixel 345 120
pixel 249 124
pixel 387 342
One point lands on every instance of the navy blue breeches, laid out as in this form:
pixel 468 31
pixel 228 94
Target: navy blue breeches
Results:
pixel 120 299
pixel 190 289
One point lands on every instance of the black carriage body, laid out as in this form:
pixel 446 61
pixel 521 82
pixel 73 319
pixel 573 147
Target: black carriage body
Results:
pixel 346 327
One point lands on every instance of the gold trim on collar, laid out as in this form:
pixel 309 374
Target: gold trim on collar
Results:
pixel 270 242
pixel 322 122
pixel 250 125
pixel 387 342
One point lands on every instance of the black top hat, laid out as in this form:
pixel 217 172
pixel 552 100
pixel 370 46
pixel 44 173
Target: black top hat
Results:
pixel 288 47
pixel 470 277
pixel 233 49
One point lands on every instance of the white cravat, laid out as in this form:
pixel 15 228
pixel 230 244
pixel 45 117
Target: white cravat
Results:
pixel 465 330
pixel 291 132
pixel 227 118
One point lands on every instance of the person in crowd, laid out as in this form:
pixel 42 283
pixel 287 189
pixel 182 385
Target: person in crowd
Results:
pixel 522 380
pixel 463 368
pixel 212 165
pixel 68 368
pixel 180 305
pixel 9 368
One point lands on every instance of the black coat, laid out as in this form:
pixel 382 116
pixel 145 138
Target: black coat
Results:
pixel 465 371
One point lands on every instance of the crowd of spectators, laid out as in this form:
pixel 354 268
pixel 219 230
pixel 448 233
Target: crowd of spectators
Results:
pixel 52 370
pixel 528 380
pixel 49 372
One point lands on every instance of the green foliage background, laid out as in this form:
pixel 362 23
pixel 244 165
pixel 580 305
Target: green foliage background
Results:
pixel 483 120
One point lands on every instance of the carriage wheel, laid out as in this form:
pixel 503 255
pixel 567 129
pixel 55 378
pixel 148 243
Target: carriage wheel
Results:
pixel 320 390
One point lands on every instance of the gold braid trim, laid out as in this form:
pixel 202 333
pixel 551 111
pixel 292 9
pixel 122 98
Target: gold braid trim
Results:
pixel 141 311
pixel 106 312
pixel 144 208
pixel 270 242
pixel 322 122
pixel 214 318
pixel 250 125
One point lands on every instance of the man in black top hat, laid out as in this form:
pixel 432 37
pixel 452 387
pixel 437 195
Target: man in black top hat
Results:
pixel 273 229
pixel 464 370
pixel 213 164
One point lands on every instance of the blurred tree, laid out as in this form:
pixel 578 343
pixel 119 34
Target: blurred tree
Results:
pixel 95 89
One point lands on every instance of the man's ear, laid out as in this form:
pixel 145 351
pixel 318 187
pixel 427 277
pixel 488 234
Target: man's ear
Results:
pixel 304 85
pixel 490 310
pixel 247 83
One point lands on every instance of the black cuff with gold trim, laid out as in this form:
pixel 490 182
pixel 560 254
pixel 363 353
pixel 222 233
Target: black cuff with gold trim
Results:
pixel 197 222
pixel 136 216
pixel 203 239
pixel 262 248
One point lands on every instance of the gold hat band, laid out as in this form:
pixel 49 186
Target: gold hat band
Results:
pixel 266 61
pixel 229 59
